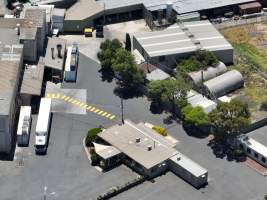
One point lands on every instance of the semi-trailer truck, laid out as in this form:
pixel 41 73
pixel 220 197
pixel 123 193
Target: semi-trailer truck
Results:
pixel 24 126
pixel 42 127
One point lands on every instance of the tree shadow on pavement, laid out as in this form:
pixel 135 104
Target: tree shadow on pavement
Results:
pixel 128 93
pixel 106 75
pixel 195 131
pixel 222 150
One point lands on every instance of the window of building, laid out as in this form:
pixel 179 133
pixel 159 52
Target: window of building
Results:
pixel 263 159
pixel 256 155
pixel 248 150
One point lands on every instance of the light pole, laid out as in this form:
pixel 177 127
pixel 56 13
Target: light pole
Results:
pixel 45 189
pixel 122 117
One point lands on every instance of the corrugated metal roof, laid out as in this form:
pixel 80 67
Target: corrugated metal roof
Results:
pixel 224 83
pixel 180 6
pixel 182 38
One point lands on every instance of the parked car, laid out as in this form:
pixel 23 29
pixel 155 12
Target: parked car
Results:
pixel 88 32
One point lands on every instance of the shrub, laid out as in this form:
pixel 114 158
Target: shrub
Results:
pixel 91 136
pixel 160 130
pixel 94 159
pixel 195 116
pixel 264 106
pixel 238 152
pixel 265 197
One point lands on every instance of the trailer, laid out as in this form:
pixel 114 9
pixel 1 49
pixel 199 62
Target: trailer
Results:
pixel 42 127
pixel 71 65
pixel 24 126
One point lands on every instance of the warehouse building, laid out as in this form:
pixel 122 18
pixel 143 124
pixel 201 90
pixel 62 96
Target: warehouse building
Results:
pixel 90 12
pixel 11 64
pixel 182 40
pixel 148 153
pixel 223 84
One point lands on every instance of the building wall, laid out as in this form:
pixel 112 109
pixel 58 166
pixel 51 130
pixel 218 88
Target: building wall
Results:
pixel 30 50
pixel 226 56
pixel 257 156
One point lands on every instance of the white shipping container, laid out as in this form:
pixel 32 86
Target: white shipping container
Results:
pixel 24 124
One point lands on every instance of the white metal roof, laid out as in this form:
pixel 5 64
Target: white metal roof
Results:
pixel 180 6
pixel 25 111
pixel 257 146
pixel 188 164
pixel 182 38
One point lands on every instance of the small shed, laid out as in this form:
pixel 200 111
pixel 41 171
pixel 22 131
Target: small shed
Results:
pixel 223 84
pixel 211 72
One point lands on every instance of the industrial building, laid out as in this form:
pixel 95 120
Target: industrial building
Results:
pixel 86 13
pixel 38 19
pixel 182 40
pixel 11 65
pixel 223 84
pixel 147 152
pixel 254 145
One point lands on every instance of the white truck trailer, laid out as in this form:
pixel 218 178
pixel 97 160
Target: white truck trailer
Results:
pixel 24 126
pixel 42 127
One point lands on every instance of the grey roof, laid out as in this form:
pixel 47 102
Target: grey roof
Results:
pixel 83 9
pixel 189 165
pixel 36 15
pixel 123 137
pixel 180 6
pixel 33 79
pixel 56 63
pixel 259 135
pixel 58 12
pixel 224 83
pixel 28 33
pixel 211 72
pixel 182 38
pixel 9 68
pixel 8 36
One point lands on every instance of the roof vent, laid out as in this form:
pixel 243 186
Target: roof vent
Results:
pixel 178 158
pixel 137 140
pixel 149 148
pixel 18 29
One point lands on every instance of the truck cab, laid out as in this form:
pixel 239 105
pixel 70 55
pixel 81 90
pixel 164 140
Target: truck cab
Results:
pixel 40 144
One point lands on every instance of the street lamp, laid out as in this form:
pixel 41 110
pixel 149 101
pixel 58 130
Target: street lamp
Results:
pixel 122 117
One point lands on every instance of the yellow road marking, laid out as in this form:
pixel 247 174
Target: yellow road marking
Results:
pixel 88 107
pixel 92 109
pixel 96 110
pixel 57 96
pixel 103 114
pixel 112 117
pixel 67 98
pixel 101 111
pixel 77 103
pixel 108 115
pixel 81 104
pixel 70 100
pixel 47 95
pixel 53 95
pixel 63 97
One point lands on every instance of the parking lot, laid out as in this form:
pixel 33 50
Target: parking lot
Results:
pixel 67 173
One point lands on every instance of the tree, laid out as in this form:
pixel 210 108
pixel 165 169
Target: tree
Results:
pixel 108 50
pixel 230 119
pixel 195 116
pixel 128 44
pixel 91 136
pixel 206 59
pixel 169 91
pixel 265 197
pixel 125 67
